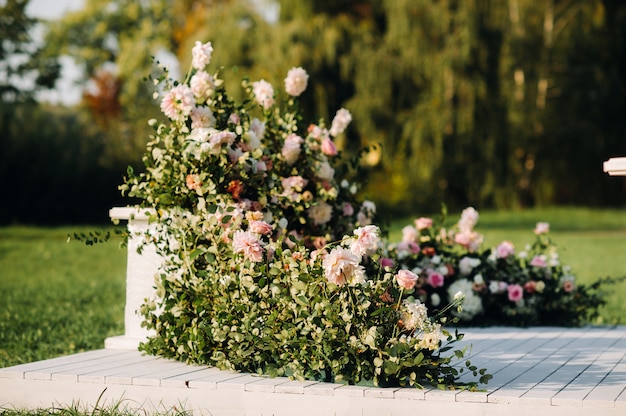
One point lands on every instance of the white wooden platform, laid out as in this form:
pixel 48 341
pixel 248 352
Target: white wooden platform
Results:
pixel 538 371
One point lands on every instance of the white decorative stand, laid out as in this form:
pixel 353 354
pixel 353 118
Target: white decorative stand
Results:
pixel 615 166
pixel 140 272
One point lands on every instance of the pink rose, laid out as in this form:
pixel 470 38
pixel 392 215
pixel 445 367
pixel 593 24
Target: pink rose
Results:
pixel 505 249
pixel 341 266
pixel 435 279
pixel 568 286
pixel 516 292
pixel 406 279
pixel 423 223
pixel 348 209
pixel 260 227
pixel 469 218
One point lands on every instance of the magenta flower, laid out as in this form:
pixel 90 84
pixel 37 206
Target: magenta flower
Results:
pixel 516 292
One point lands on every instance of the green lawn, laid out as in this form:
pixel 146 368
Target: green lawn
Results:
pixel 58 298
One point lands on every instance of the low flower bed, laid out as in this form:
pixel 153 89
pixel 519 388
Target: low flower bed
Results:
pixel 273 265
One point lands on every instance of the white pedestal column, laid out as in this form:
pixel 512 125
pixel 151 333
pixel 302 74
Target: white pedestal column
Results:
pixel 140 272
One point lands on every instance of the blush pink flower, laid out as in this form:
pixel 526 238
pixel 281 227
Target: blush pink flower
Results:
pixel 291 148
pixel 406 279
pixel 328 147
pixel 201 55
pixel 202 117
pixel 202 85
pixel 320 213
pixel 263 93
pixel 542 228
pixel 568 286
pixel 435 279
pixel 249 245
pixel 515 292
pixel 469 218
pixel 296 81
pixel 423 223
pixel 409 233
pixel 505 249
pixel 366 242
pixel 539 261
pixel 341 266
pixel 260 227
pixel 348 209
pixel 178 103
pixel 340 122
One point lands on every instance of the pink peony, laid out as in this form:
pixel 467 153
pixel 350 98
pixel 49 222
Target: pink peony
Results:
pixel 435 279
pixel 366 242
pixel 248 244
pixel 505 249
pixel 406 279
pixel 423 223
pixel 264 94
pixel 348 209
pixel 296 81
pixel 516 292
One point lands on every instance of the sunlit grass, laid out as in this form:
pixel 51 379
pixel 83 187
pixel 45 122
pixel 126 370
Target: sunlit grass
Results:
pixel 57 297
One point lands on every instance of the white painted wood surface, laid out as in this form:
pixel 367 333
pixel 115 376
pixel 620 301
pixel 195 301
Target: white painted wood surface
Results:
pixel 540 371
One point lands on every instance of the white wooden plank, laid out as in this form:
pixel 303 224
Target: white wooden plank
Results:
pixel 266 384
pixel 19 370
pixel 293 386
pixel 182 380
pixel 210 381
pixel 45 373
pixel 77 372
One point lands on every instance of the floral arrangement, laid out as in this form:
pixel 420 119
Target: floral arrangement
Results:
pixel 500 285
pixel 271 264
